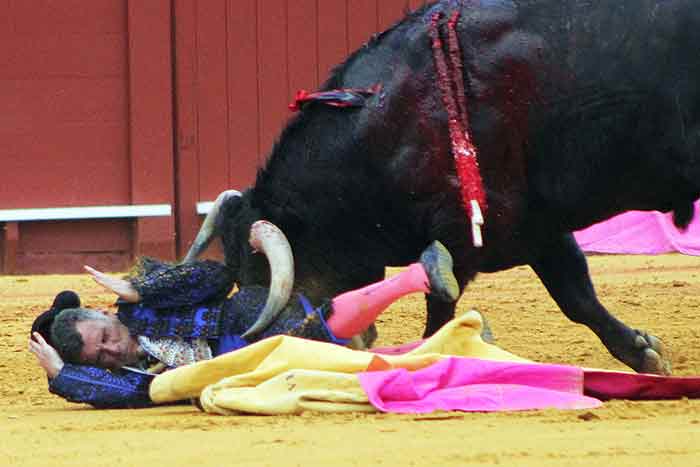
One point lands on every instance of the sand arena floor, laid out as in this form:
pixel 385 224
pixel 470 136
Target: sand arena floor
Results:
pixel 660 294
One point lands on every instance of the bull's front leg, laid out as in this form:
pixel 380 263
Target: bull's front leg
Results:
pixel 439 313
pixel 563 270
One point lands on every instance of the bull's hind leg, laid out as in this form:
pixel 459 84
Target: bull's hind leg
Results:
pixel 563 270
pixel 209 229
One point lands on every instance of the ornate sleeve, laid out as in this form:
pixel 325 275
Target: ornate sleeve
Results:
pixel 163 285
pixel 102 388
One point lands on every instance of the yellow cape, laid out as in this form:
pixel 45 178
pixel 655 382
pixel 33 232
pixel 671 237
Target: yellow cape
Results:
pixel 286 375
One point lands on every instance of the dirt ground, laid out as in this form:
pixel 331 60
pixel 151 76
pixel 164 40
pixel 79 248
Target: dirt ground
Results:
pixel 660 294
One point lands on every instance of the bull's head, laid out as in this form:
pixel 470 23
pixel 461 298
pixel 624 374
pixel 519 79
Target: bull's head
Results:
pixel 263 237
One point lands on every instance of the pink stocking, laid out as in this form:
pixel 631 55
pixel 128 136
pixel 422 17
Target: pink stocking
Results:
pixel 354 311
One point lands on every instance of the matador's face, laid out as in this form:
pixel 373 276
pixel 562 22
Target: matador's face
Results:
pixel 107 343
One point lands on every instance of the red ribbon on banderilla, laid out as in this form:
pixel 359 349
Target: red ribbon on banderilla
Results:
pixel 451 83
pixel 346 97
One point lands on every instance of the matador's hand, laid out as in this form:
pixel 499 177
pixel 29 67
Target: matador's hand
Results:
pixel 46 355
pixel 120 287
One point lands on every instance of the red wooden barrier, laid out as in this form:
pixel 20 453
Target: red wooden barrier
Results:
pixel 158 102
pixel 238 65
pixel 151 123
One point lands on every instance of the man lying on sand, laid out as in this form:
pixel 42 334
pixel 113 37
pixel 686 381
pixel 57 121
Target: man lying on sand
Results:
pixel 174 315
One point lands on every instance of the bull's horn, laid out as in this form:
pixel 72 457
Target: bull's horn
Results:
pixel 267 238
pixel 209 231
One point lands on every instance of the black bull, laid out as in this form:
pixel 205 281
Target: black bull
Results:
pixel 579 109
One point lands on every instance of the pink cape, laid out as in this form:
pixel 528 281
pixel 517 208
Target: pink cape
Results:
pixel 638 232
pixel 469 384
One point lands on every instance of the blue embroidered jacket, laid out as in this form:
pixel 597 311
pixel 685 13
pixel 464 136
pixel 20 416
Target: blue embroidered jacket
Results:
pixel 187 301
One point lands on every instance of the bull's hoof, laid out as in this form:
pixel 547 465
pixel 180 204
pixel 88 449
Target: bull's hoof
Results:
pixel 486 331
pixel 654 358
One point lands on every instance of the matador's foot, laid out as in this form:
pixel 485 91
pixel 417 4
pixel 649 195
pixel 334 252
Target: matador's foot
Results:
pixel 437 262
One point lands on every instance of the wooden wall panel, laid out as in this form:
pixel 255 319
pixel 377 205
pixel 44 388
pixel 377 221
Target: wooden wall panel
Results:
pixel 56 166
pixel 64 236
pixel 48 56
pixel 244 152
pixel 273 79
pixel 9 244
pixel 85 88
pixel 150 101
pixel 151 123
pixel 7 26
pixel 415 4
pixel 64 246
pixel 390 11
pixel 302 47
pixel 28 102
pixel 63 96
pixel 74 16
pixel 362 22
pixel 186 121
pixel 212 74
pixel 332 35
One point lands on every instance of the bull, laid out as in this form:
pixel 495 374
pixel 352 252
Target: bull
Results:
pixel 580 110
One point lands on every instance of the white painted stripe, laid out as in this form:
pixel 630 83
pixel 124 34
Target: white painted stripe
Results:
pixel 87 212
pixel 204 207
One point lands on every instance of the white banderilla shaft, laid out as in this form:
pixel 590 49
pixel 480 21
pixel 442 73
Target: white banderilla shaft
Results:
pixel 477 222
